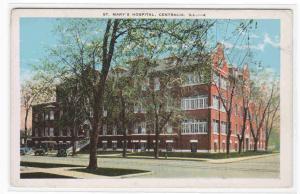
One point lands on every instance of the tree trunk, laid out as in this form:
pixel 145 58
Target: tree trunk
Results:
pixel 266 145
pixel 255 144
pixel 93 143
pixel 74 147
pixel 107 52
pixel 156 138
pixel 228 135
pixel 25 128
pixel 74 142
pixel 240 145
pixel 123 126
pixel 124 145
pixel 156 150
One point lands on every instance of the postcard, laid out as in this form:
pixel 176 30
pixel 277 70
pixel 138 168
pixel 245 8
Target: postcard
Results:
pixel 151 98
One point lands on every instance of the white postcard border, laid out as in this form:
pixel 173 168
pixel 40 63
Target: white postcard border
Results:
pixel 286 141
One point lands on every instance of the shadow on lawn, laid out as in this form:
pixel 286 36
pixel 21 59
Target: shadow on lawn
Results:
pixel 47 165
pixel 42 175
pixel 110 171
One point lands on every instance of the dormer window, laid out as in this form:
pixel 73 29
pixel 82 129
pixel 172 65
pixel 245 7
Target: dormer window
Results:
pixel 192 78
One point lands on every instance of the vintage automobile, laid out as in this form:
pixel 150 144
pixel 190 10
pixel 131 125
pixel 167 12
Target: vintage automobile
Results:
pixel 25 150
pixel 62 153
pixel 62 150
pixel 41 151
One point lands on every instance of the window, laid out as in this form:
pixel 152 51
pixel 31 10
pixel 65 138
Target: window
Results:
pixel 42 132
pixel 223 127
pixel 36 132
pixel 68 132
pixel 236 110
pixel 216 102
pixel 51 115
pixel 114 145
pixel 193 126
pixel 140 128
pixel 138 108
pixel 222 108
pixel 114 131
pixel 216 79
pixel 61 113
pixel 36 117
pixel 168 106
pixel 236 129
pixel 60 132
pixel 51 132
pixel 216 126
pixel 169 128
pixel 145 84
pixel 223 83
pixel 196 102
pixel 46 131
pixel 104 113
pixel 46 116
pixel 156 84
pixel 191 79
pixel 104 130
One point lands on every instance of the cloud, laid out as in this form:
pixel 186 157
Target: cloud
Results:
pixel 253 36
pixel 268 40
pixel 260 46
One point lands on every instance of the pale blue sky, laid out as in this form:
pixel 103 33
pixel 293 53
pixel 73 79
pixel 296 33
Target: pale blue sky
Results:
pixel 37 34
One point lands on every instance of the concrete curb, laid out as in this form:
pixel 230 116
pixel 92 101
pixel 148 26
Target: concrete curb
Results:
pixel 231 160
pixel 213 161
pixel 134 175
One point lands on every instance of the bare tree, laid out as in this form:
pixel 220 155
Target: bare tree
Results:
pixel 272 117
pixel 34 92
pixel 244 91
pixel 258 111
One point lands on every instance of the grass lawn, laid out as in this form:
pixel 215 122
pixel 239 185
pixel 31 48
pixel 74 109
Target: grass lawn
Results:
pixel 100 152
pixel 110 171
pixel 46 165
pixel 41 175
pixel 202 155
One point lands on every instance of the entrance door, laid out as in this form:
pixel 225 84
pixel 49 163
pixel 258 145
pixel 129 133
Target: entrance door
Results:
pixel 215 146
pixel 193 147
pixel 136 147
pixel 143 146
pixel 104 146
pixel 114 146
pixel 169 147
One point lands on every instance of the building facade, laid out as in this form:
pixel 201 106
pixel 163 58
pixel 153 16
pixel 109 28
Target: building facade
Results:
pixel 203 128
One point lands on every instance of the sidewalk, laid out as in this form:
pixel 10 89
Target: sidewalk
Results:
pixel 213 161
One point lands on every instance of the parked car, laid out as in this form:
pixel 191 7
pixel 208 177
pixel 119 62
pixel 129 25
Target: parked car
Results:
pixel 62 153
pixel 25 150
pixel 41 151
pixel 62 150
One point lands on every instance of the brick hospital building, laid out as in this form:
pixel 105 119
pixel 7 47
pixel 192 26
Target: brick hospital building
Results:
pixel 202 130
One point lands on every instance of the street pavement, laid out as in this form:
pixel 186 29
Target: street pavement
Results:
pixel 264 167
